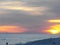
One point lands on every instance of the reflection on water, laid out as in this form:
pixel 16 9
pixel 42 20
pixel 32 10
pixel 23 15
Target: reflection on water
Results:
pixel 22 38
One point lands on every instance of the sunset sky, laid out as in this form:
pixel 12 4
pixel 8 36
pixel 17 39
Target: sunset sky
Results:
pixel 30 16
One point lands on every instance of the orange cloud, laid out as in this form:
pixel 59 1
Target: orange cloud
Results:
pixel 12 29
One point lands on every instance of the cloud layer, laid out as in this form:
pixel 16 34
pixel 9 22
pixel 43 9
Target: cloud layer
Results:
pixel 30 14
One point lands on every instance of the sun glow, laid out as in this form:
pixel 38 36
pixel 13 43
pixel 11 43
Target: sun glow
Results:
pixel 54 29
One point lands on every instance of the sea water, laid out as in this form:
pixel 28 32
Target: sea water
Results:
pixel 23 38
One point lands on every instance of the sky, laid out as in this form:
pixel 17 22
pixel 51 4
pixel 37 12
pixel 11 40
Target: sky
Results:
pixel 29 16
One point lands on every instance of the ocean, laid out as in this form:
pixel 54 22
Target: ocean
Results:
pixel 13 39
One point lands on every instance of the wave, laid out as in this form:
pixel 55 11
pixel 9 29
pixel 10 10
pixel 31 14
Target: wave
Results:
pixel 51 41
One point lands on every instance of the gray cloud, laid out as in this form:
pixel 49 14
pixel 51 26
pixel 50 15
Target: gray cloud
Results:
pixel 32 22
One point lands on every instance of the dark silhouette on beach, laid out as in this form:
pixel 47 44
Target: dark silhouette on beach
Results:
pixel 54 43
pixel 6 43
